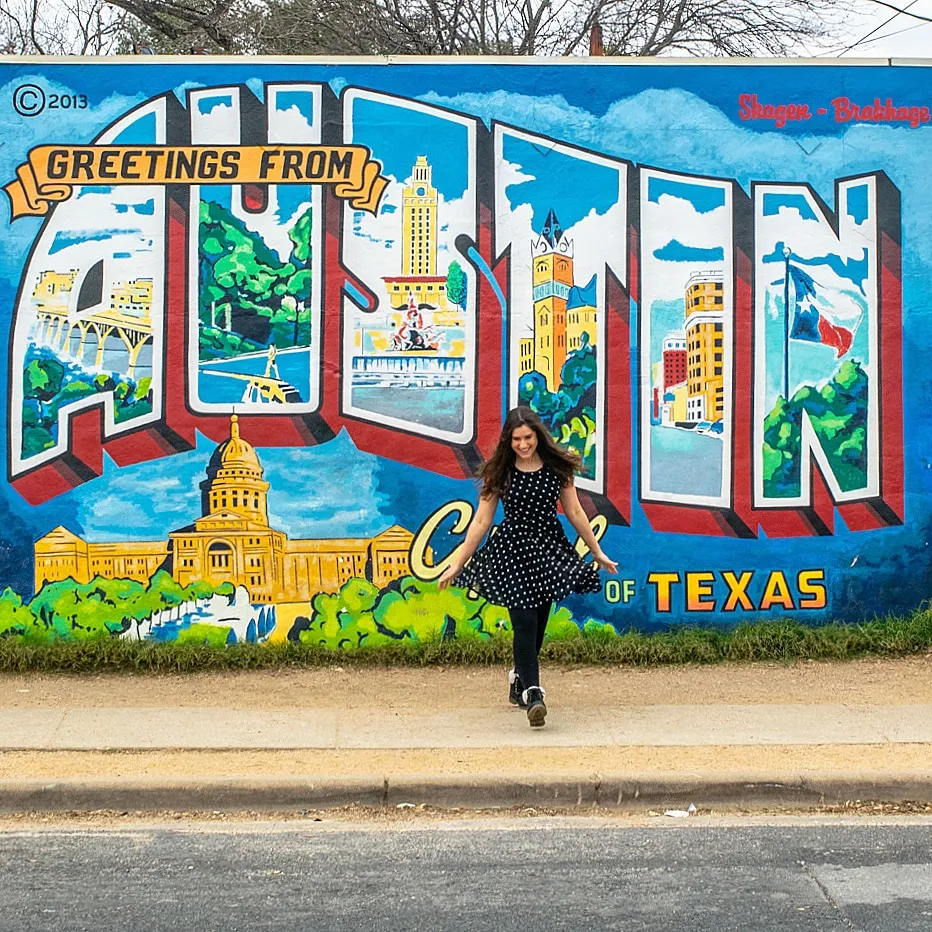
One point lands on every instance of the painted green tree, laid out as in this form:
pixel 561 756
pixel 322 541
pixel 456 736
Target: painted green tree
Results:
pixel 295 279
pixel 838 414
pixel 15 618
pixel 101 608
pixel 569 412
pixel 457 284
pixel 408 609
pixel 50 384
pixel 249 298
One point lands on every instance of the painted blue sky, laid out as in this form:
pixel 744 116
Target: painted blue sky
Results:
pixel 307 497
pixel 572 186
pixel 675 251
pixel 207 104
pixel 398 135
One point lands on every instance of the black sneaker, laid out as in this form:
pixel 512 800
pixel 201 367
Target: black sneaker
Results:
pixel 516 689
pixel 536 710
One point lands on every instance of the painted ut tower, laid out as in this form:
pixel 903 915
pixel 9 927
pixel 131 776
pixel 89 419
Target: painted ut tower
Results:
pixel 419 222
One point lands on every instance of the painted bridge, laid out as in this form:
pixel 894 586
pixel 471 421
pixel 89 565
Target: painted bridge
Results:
pixel 70 334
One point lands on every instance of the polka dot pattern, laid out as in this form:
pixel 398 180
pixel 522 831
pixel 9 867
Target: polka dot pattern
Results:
pixel 529 561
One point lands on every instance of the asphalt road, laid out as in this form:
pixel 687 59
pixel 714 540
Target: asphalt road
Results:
pixel 505 875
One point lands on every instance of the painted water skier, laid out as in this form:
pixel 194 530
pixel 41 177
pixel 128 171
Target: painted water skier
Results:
pixel 529 563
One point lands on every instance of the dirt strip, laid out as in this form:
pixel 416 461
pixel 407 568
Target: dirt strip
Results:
pixel 860 682
pixel 901 759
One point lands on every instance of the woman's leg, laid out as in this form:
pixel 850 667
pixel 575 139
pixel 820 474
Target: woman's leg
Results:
pixel 543 614
pixel 524 626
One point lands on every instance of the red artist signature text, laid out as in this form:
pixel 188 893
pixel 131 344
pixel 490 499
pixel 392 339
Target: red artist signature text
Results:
pixel 879 112
pixel 750 108
pixel 845 111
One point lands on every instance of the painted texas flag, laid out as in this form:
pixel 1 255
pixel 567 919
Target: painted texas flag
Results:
pixel 812 318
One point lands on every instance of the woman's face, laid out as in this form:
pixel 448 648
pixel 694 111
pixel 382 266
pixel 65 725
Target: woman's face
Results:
pixel 524 442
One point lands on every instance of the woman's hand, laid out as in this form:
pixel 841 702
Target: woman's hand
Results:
pixel 448 575
pixel 604 563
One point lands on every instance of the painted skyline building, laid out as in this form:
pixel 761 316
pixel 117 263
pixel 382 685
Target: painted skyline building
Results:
pixel 674 359
pixel 231 542
pixel 705 347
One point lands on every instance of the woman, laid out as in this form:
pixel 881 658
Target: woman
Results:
pixel 528 563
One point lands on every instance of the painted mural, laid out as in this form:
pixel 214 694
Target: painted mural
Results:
pixel 264 321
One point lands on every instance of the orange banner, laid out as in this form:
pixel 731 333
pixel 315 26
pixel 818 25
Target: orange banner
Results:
pixel 52 172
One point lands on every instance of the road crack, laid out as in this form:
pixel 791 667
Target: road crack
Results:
pixel 827 896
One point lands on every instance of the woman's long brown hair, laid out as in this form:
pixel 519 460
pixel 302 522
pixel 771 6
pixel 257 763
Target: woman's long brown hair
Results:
pixel 496 471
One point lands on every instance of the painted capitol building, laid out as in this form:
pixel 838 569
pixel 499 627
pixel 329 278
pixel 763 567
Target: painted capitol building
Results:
pixel 231 542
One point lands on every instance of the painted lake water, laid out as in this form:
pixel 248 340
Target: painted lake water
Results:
pixel 685 462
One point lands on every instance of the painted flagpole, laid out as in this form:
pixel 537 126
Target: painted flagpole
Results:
pixel 787 252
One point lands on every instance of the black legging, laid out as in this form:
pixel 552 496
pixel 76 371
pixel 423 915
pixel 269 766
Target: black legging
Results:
pixel 528 625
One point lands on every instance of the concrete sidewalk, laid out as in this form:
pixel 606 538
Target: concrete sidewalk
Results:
pixel 220 729
pixel 745 736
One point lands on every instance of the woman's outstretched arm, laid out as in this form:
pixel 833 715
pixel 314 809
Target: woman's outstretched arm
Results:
pixel 578 518
pixel 478 528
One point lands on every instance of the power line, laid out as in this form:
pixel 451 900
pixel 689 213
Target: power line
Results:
pixel 903 10
pixel 886 35
pixel 876 29
pixel 900 32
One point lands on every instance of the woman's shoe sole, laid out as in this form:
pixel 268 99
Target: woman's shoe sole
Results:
pixel 537 715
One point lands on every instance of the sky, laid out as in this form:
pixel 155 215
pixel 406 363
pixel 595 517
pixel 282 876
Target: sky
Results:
pixel 882 33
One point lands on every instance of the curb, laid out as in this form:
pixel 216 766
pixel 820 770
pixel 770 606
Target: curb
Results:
pixel 471 791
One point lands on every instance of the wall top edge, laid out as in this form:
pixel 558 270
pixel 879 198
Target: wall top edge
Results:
pixel 498 60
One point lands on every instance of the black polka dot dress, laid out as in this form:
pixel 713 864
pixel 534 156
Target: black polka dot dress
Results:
pixel 529 561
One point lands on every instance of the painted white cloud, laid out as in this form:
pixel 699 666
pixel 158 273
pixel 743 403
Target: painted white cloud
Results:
pixel 290 125
pixel 673 217
pixel 219 125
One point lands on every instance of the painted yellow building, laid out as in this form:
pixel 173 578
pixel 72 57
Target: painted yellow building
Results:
pixel 133 298
pixel 419 222
pixel 525 355
pixel 705 315
pixel 675 401
pixel 424 290
pixel 419 280
pixel 563 312
pixel 581 314
pixel 61 554
pixel 231 542
pixel 552 279
pixel 53 289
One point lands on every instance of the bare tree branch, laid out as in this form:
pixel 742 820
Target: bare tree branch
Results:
pixel 424 27
pixel 37 27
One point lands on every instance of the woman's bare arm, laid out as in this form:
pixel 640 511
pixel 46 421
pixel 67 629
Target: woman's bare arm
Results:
pixel 580 521
pixel 478 528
